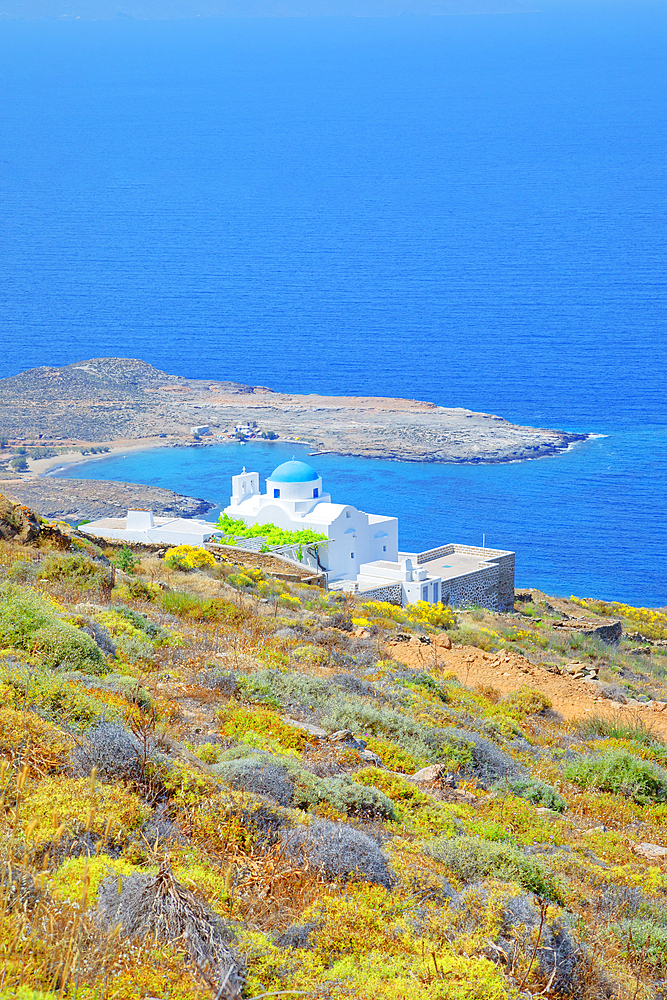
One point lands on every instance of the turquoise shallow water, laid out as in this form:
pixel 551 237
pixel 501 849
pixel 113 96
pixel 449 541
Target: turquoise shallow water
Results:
pixel 583 523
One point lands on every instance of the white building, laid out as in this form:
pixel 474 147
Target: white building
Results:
pixel 361 553
pixel 295 499
pixel 141 526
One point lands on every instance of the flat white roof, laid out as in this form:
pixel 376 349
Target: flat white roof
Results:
pixel 452 565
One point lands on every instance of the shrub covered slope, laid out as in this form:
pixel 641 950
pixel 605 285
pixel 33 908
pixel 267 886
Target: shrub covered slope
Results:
pixel 218 784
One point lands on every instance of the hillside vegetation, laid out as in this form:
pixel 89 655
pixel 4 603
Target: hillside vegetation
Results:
pixel 217 784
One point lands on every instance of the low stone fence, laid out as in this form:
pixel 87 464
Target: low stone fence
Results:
pixel 279 566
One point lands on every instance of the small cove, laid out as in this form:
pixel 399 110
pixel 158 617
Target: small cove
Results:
pixel 582 523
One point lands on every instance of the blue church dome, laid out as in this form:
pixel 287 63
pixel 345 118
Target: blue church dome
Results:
pixel 293 472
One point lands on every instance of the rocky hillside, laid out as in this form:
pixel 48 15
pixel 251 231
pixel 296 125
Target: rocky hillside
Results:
pixel 219 784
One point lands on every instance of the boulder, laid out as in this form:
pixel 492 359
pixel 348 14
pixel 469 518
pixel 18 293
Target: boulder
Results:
pixel 22 525
pixel 651 852
pixel 17 522
pixel 434 772
pixel 341 736
pixel 316 731
pixel 606 631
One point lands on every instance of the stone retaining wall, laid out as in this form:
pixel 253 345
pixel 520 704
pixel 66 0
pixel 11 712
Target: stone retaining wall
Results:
pixel 287 570
pixel 491 586
pixel 393 594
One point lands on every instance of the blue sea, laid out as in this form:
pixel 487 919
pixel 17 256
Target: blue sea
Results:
pixel 465 209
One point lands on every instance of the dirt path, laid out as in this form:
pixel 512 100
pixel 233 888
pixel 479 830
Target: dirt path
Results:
pixel 507 672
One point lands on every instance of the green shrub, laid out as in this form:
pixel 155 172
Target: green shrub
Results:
pixel 527 701
pixel 74 568
pixel 29 621
pixel 126 560
pixel 240 581
pixel 642 937
pixel 309 654
pixel 58 644
pixel 138 590
pixel 56 698
pixel 616 728
pixel 21 571
pixel 236 528
pixel 424 680
pixel 134 650
pixel 345 713
pixel 202 609
pixel 620 772
pixel 540 794
pixel 346 796
pixel 470 858
pixel 141 622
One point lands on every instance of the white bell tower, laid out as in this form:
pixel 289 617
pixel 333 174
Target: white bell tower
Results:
pixel 243 486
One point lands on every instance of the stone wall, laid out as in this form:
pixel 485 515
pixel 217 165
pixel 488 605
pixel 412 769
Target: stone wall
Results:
pixel 490 587
pixel 443 550
pixel 287 570
pixel 392 593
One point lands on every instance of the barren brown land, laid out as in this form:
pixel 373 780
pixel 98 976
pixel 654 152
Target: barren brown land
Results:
pixel 107 399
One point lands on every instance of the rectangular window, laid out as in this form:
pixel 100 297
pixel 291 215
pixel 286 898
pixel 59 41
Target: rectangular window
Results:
pixel 384 548
pixel 436 596
pixel 276 493
pixel 424 593
pixel 351 555
pixel 348 514
pixel 316 492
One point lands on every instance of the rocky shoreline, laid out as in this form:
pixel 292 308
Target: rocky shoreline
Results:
pixel 112 399
pixel 75 499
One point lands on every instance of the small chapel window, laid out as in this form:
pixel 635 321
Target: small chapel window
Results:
pixel 276 493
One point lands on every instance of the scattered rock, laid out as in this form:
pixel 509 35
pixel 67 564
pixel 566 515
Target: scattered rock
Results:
pixel 607 631
pixel 371 757
pixel 650 852
pixel 434 772
pixel 341 736
pixel 22 525
pixel 316 731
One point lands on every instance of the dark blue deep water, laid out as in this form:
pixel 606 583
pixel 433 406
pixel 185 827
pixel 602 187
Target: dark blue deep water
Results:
pixel 464 209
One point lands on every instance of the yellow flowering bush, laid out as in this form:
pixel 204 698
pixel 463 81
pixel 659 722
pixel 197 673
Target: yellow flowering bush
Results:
pixel 188 557
pixel 421 613
pixel 652 624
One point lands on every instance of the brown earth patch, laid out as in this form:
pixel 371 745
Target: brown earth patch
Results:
pixel 507 672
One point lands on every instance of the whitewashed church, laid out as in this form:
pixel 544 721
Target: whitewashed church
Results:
pixel 361 553
pixel 295 499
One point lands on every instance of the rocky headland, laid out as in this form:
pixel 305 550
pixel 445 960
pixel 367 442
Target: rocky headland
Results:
pixel 108 399
pixel 75 499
